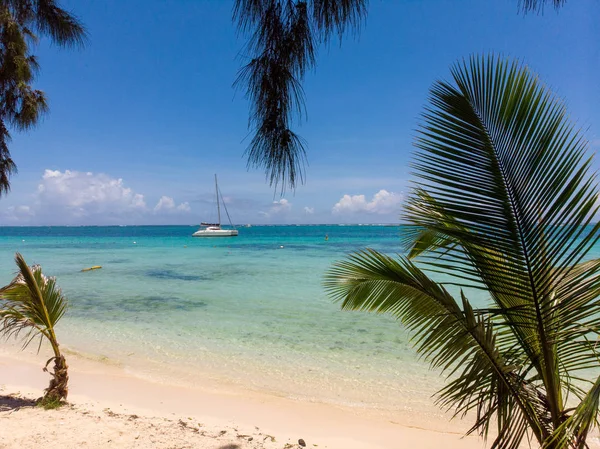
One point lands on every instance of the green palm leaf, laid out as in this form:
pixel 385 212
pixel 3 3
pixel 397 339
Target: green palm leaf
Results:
pixel 503 201
pixel 32 303
pixel 526 196
pixel 447 335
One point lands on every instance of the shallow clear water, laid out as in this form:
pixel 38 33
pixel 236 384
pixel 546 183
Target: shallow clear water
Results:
pixel 249 310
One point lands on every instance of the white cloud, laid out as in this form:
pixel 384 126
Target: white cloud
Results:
pixel 72 197
pixel 184 207
pixel 167 204
pixel 278 208
pixel 309 210
pixel 81 194
pixel 282 205
pixel 382 203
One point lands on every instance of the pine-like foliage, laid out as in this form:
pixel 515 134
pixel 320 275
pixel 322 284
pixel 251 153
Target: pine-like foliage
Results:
pixel 503 202
pixel 538 5
pixel 284 37
pixel 21 106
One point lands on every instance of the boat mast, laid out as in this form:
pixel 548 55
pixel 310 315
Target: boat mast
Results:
pixel 218 205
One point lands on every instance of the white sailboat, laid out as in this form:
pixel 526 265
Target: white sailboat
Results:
pixel 214 229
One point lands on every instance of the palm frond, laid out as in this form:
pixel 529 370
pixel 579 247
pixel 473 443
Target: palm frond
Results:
pixel 448 336
pixel 31 303
pixel 574 430
pixel 503 201
pixel 498 157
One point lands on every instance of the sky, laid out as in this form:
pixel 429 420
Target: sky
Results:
pixel 145 114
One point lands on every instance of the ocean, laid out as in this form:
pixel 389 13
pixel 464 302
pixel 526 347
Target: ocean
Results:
pixel 248 310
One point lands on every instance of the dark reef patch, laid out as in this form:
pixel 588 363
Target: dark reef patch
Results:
pixel 174 275
pixel 136 305
pixel 156 303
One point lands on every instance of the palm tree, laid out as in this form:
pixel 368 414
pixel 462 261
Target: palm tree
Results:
pixel 21 106
pixel 32 303
pixel 503 202
pixel 284 36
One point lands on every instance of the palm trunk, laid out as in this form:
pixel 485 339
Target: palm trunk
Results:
pixel 58 388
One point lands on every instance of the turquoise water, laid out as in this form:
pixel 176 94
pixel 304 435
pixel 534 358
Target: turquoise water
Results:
pixel 248 310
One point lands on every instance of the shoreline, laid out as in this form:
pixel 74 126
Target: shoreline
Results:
pixel 168 310
pixel 95 387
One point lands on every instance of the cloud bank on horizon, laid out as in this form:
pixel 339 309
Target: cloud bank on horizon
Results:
pixel 80 198
pixel 382 203
pixel 73 197
pixel 167 204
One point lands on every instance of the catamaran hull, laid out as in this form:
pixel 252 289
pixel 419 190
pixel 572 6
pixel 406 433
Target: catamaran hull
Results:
pixel 216 233
pixel 214 229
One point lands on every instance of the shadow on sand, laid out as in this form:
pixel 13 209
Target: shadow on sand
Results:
pixel 8 403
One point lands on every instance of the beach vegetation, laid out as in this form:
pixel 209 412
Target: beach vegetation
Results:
pixel 498 284
pixel 30 307
pixel 21 24
pixel 50 403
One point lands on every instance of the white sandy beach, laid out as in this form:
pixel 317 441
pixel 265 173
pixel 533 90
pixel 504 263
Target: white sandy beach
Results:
pixel 111 408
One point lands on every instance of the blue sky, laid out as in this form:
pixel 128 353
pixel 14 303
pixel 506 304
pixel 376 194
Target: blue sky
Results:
pixel 142 117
